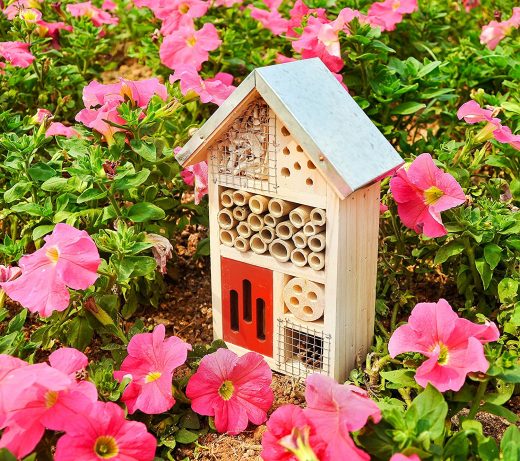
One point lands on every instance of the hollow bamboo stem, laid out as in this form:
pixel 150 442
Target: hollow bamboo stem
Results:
pixel 300 216
pixel 312 229
pixel 267 234
pixel 225 219
pixel 271 221
pixel 244 230
pixel 318 216
pixel 241 198
pixel 240 213
pixel 226 198
pixel 255 221
pixel 258 204
pixel 300 239
pixel 279 207
pixel 299 256
pixel 317 260
pixel 317 242
pixel 242 244
pixel 285 230
pixel 281 249
pixel 257 245
pixel 228 236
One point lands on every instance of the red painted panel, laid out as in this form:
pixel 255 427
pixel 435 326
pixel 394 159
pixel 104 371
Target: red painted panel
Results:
pixel 247 306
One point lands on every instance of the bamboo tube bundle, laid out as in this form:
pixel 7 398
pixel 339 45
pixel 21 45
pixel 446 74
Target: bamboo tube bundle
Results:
pixel 317 260
pixel 317 242
pixel 279 207
pixel 267 234
pixel 228 237
pixel 285 230
pixel 299 256
pixel 241 198
pixel 281 249
pixel 300 216
pixel 312 229
pixel 244 230
pixel 258 204
pixel 242 244
pixel 271 221
pixel 255 221
pixel 304 299
pixel 300 240
pixel 257 245
pixel 240 213
pixel 318 217
pixel 226 198
pixel 225 219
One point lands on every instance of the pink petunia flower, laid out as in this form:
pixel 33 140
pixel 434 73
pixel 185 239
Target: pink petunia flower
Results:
pixel 422 191
pixel 233 389
pixel 52 29
pixel 216 89
pixel 177 13
pixel 494 32
pixel 389 13
pixel 335 410
pixel 299 13
pixel 291 436
pixel 472 113
pixel 504 135
pixel 228 3
pixel 271 18
pixel 98 119
pixel 109 5
pixel 69 258
pixel 197 176
pixel 16 53
pixel 59 129
pixel 7 365
pixel 452 344
pixel 8 273
pixel 189 47
pixel 102 432
pixel 470 4
pixel 96 15
pixel 150 363
pixel 401 457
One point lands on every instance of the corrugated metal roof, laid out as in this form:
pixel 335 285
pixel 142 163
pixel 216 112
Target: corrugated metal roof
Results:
pixel 341 140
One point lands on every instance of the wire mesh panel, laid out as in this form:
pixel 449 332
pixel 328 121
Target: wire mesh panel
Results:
pixel 302 350
pixel 245 155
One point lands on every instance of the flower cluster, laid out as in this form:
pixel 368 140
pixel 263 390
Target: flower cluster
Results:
pixel 494 32
pixel 16 53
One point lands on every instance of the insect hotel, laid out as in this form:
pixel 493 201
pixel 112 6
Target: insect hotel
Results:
pixel 294 178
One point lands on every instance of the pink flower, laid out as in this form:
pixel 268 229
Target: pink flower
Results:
pixel 103 433
pixel 468 6
pixel 472 113
pixel 16 53
pixel 179 12
pixel 97 120
pixel 335 410
pixel 109 5
pixel 150 363
pixel 503 134
pixel 216 89
pixel 422 191
pixel 389 13
pixel 69 258
pixel 8 273
pixel 227 3
pixel 96 15
pixel 401 457
pixel 289 432
pixel 271 19
pixel 493 33
pixel 320 39
pixel 30 15
pixel 300 12
pixel 453 345
pixel 189 47
pixel 52 29
pixel 197 175
pixel 59 129
pixel 7 364
pixel 233 389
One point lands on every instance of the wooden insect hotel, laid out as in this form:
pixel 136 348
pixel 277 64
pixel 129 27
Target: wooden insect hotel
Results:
pixel 294 179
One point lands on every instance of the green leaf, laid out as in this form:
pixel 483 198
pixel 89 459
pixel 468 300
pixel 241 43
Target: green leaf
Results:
pixel 485 272
pixel 186 436
pixel 55 185
pixel 146 150
pixel 427 413
pixel 401 378
pixel 492 255
pixel 17 191
pixel 6 455
pixel 91 194
pixel 135 180
pixel 133 266
pixel 507 290
pixel 425 70
pixel 510 444
pixel 407 108
pixel 17 322
pixel 145 211
pixel 445 252
pixel 79 333
pixel 32 209
pixel 41 172
pixel 500 411
pixel 40 231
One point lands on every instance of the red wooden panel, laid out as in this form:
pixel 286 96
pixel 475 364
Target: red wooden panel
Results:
pixel 247 293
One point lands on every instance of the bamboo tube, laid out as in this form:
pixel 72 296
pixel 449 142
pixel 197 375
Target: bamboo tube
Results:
pixel 226 198
pixel 244 230
pixel 267 234
pixel 317 260
pixel 318 216
pixel 304 299
pixel 258 204
pixel 300 215
pixel 255 221
pixel 241 198
pixel 279 207
pixel 242 244
pixel 300 239
pixel 225 219
pixel 228 236
pixel 312 229
pixel 240 213
pixel 271 221
pixel 285 230
pixel 317 242
pixel 281 249
pixel 257 245
pixel 299 256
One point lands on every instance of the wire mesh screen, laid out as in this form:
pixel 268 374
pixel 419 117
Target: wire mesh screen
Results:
pixel 302 350
pixel 245 155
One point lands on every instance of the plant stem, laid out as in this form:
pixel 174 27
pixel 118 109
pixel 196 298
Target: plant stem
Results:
pixel 471 259
pixel 475 404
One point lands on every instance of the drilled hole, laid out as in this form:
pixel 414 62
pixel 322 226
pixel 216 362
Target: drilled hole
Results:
pixel 297 289
pixel 297 166
pixel 312 296
pixel 308 310
pixel 294 301
pixel 311 165
pixel 286 172
pixel 285 131
pixel 299 148
pixel 286 151
pixel 309 182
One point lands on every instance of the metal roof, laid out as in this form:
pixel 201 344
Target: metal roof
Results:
pixel 334 131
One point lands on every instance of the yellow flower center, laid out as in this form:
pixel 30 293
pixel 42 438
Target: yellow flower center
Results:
pixel 51 397
pixel 106 447
pixel 53 254
pixel 226 390
pixel 191 41
pixel 396 5
pixel 152 376
pixel 432 195
pixel 184 8
pixel 29 15
pixel 444 353
pixel 126 92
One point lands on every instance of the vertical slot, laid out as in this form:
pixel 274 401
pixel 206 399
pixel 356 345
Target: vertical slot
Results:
pixel 247 300
pixel 233 306
pixel 260 319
